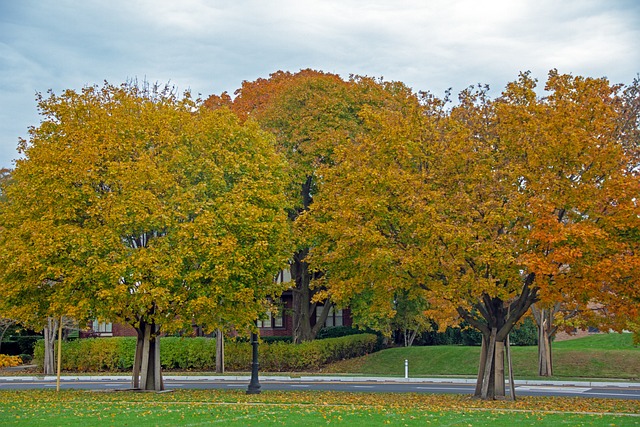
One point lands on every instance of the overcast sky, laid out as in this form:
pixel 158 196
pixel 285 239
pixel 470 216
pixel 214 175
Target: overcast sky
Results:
pixel 212 46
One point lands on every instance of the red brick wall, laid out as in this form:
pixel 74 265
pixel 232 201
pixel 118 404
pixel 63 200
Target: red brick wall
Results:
pixel 123 330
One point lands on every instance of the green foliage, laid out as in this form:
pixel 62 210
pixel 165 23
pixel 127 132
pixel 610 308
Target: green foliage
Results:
pixel 269 340
pixel 339 331
pixel 523 334
pixel 116 354
pixel 149 208
pixel 188 353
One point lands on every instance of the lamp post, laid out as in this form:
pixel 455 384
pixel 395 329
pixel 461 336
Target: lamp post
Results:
pixel 254 384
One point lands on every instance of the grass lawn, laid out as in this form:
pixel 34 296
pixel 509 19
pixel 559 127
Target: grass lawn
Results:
pixel 234 408
pixel 595 356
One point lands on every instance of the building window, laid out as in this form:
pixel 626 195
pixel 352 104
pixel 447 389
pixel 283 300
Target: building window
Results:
pixel 102 328
pixel 333 319
pixel 284 276
pixel 272 321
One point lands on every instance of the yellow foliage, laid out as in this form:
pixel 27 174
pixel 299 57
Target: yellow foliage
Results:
pixel 133 203
pixel 7 361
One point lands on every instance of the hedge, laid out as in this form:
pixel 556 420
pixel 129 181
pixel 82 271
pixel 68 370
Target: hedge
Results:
pixel 116 354
pixel 523 334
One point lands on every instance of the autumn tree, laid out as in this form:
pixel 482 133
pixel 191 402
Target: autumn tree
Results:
pixel 135 205
pixel 482 209
pixel 614 268
pixel 310 113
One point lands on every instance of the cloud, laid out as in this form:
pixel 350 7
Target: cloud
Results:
pixel 212 46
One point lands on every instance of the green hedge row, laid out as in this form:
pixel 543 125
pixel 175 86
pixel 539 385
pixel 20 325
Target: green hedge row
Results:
pixel 116 354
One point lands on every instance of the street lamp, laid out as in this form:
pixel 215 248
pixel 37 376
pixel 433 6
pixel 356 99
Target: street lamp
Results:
pixel 254 385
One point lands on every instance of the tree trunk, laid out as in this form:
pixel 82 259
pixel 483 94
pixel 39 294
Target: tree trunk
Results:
pixel 494 319
pixel 147 359
pixel 49 346
pixel 219 351
pixel 301 299
pixel 499 361
pixel 137 360
pixel 488 379
pixel 483 360
pixel 409 337
pixel 546 330
pixel 303 309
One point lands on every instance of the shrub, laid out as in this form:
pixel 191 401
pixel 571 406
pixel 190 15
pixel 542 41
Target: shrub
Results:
pixel 338 331
pixel 7 361
pixel 269 340
pixel 523 334
pixel 116 354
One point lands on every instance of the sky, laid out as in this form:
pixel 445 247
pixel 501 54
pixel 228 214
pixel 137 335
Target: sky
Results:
pixel 211 46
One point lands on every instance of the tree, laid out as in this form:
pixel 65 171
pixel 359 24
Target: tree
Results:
pixel 409 317
pixel 482 209
pixel 617 268
pixel 310 113
pixel 134 205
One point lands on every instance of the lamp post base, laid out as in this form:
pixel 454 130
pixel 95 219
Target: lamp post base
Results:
pixel 254 384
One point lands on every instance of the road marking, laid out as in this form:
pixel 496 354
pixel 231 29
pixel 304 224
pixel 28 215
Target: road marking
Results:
pixel 235 385
pixel 300 385
pixel 443 388
pixel 362 386
pixel 555 389
pixel 602 394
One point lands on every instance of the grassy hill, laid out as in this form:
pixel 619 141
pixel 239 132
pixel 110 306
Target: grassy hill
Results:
pixel 595 356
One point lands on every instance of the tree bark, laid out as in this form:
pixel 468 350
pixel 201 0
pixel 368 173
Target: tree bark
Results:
pixel 147 359
pixel 219 351
pixel 546 330
pixel 301 299
pixel 483 360
pixel 488 379
pixel 49 346
pixel 137 359
pixel 409 337
pixel 303 309
pixel 499 362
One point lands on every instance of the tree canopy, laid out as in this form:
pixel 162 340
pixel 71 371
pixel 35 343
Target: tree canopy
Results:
pixel 311 113
pixel 482 209
pixel 135 205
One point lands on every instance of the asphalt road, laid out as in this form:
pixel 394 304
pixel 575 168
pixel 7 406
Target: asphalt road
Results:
pixel 605 390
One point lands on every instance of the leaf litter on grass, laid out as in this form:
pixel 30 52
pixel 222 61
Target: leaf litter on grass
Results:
pixel 274 406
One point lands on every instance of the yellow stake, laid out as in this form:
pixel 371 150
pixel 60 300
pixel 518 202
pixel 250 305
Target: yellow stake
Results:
pixel 59 354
